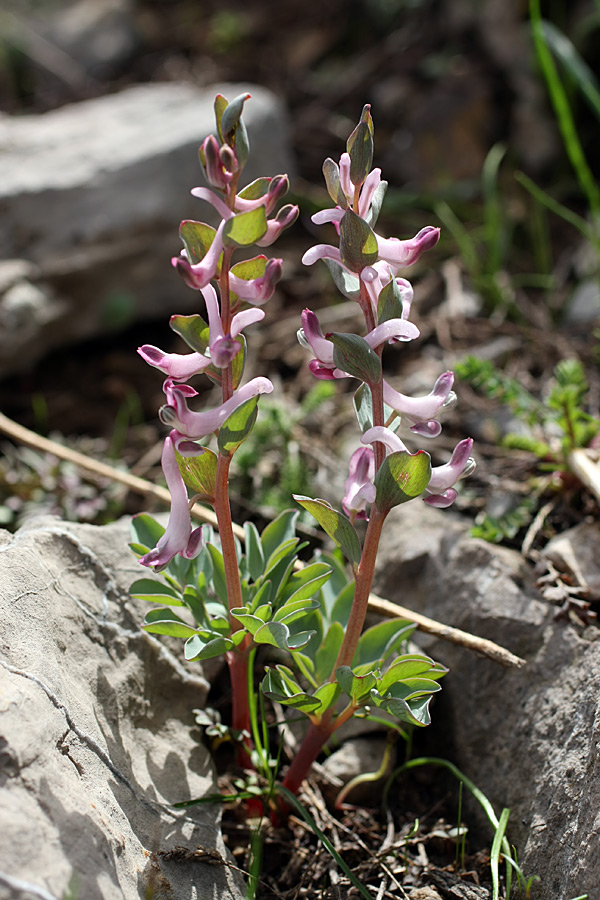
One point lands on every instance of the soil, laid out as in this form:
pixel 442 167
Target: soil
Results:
pixel 441 100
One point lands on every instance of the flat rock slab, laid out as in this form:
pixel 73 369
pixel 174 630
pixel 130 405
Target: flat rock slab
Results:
pixel 91 198
pixel 97 735
pixel 529 738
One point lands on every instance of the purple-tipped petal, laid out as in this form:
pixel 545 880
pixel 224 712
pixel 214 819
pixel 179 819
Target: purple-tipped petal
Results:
pixel 392 330
pixel 200 274
pixel 359 487
pixel 217 202
pixel 247 317
pixel 178 366
pixel 384 436
pixel 443 477
pixel 370 185
pixel 335 214
pixel 429 429
pixel 223 351
pixel 286 216
pixel 215 172
pixel 405 253
pixel 197 425
pixel 178 537
pixel 258 290
pixel 322 251
pixel 442 501
pixel 321 347
pixel 420 410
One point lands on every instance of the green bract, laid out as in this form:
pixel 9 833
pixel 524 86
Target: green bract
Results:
pixel 335 524
pixel 358 244
pixel 353 355
pixel 401 477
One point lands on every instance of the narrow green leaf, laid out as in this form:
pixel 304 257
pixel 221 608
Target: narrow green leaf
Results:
pixel 246 228
pixel 401 477
pixel 219 581
pixel 196 648
pixel 360 148
pixel 231 115
pixel 281 529
pixel 357 687
pixel 327 653
pixel 378 641
pixel 165 621
pixel 403 668
pixel 358 244
pixel 197 238
pixel 331 173
pixel 255 559
pixel 236 428
pixel 146 531
pixel 193 330
pixel 335 524
pixel 278 635
pixel 291 610
pixel 279 685
pixel 353 355
pixel 155 592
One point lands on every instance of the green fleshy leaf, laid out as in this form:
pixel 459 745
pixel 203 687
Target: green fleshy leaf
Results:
pixel 250 622
pixel 331 173
pixel 293 610
pixel 221 104
pixel 307 582
pixel 249 269
pixel 327 653
pixel 231 115
pixel 199 473
pixel 194 599
pixel 389 304
pixel 155 592
pixel 165 621
pixel 357 687
pixel 279 531
pixel 193 330
pixel 328 694
pixel 377 203
pixel 196 648
pixel 340 611
pixel 197 238
pixel 358 244
pixel 401 477
pixel 415 713
pixel 219 582
pixel 236 427
pixel 256 189
pixel 255 559
pixel 280 685
pixel 146 531
pixel 360 149
pixel 380 640
pixel 363 407
pixel 335 524
pixel 404 668
pixel 345 282
pixel 245 228
pixel 278 635
pixel 353 355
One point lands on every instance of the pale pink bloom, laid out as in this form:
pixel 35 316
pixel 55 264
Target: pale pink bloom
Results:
pixel 179 538
pixel 258 290
pixel 286 216
pixel 422 411
pixel 197 425
pixel 443 477
pixel 217 202
pixel 404 253
pixel 198 275
pixel 278 187
pixel 177 366
pixel 385 436
pixel 359 488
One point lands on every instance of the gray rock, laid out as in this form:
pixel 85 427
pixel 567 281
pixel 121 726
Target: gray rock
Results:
pixel 528 738
pixel 93 194
pixel 97 735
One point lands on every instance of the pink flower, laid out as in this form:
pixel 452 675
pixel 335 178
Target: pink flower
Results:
pixel 286 216
pixel 258 290
pixel 198 275
pixel 359 488
pixel 197 425
pixel 179 538
pixel 460 464
pixel 422 411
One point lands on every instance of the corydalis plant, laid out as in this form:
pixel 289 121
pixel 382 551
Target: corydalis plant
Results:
pixel 238 599
pixel 218 350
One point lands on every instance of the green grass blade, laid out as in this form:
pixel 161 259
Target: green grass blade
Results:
pixel 563 112
pixel 292 800
pixel 559 209
pixel 494 236
pixel 577 68
pixel 495 853
pixel 472 787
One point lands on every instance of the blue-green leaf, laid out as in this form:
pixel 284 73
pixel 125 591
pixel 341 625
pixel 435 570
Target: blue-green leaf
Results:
pixel 165 621
pixel 155 592
pixel 335 524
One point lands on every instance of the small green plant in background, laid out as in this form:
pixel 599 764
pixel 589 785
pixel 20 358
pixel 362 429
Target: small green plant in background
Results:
pixel 552 429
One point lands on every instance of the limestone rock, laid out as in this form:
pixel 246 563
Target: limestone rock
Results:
pixel 528 738
pixel 97 735
pixel 93 194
